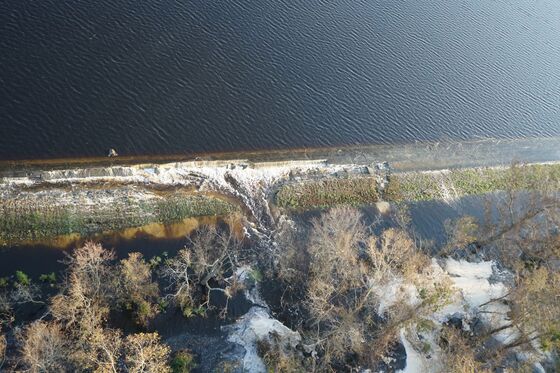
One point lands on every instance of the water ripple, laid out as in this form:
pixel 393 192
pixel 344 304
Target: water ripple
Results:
pixel 78 77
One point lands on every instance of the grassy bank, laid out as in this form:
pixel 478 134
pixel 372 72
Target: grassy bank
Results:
pixel 328 192
pixel 417 186
pixel 476 181
pixel 20 221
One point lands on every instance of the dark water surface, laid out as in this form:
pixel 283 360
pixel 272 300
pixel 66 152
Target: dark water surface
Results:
pixel 39 259
pixel 154 77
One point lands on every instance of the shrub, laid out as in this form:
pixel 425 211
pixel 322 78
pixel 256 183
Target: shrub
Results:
pixel 182 362
pixel 22 278
pixel 50 277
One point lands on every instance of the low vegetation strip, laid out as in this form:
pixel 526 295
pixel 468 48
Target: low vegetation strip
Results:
pixel 20 221
pixel 471 181
pixel 328 192
pixel 417 186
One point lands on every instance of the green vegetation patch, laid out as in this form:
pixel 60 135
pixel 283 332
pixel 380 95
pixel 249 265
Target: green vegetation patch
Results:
pixel 417 186
pixel 175 209
pixel 474 181
pixel 21 221
pixel 328 192
pixel 182 362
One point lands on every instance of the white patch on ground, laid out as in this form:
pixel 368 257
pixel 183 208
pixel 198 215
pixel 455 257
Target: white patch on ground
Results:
pixel 182 172
pixel 473 290
pixel 472 280
pixel 252 293
pixel 394 291
pixel 415 362
pixel 258 325
pixel 383 207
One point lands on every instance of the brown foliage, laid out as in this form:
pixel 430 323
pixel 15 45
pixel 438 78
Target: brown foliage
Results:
pixel 396 253
pixel 535 309
pixel 84 305
pixel 101 352
pixel 277 360
pixel 44 348
pixel 458 355
pixel 2 349
pixel 77 339
pixel 144 353
pixel 137 290
pixel 334 245
pixel 346 266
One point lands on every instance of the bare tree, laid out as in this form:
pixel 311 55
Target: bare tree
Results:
pixel 103 353
pixel 339 292
pixel 395 253
pixel 347 266
pixel 84 303
pixel 3 344
pixel 178 272
pixel 205 263
pixel 44 348
pixel 25 293
pixel 144 353
pixel 535 313
pixel 520 230
pixel 335 268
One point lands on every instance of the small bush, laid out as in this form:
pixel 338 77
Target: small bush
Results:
pixel 256 275
pixel 49 278
pixel 22 278
pixel 276 360
pixel 189 312
pixel 182 362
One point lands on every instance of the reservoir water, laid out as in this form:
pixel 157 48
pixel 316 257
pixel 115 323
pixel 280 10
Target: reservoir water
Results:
pixel 175 77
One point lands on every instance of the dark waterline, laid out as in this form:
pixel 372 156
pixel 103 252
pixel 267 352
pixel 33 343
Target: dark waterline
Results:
pixel 78 77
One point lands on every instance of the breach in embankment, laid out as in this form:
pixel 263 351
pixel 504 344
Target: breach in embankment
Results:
pixel 44 201
pixel 320 265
